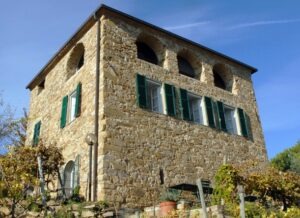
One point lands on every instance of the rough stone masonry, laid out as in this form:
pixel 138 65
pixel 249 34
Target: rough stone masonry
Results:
pixel 136 144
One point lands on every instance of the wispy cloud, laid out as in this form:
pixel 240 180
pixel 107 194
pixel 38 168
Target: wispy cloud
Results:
pixel 263 22
pixel 188 25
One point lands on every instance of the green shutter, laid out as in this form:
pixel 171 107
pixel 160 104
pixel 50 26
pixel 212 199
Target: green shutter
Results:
pixel 141 91
pixel 64 110
pixel 36 133
pixel 184 99
pixel 221 114
pixel 248 124
pixel 216 114
pixel 210 112
pixel 78 100
pixel 170 99
pixel 243 122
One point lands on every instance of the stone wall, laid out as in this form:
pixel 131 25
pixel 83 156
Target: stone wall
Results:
pixel 134 144
pixel 45 105
pixel 138 142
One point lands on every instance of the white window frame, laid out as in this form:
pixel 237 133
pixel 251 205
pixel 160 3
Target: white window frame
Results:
pixel 160 96
pixel 200 107
pixel 234 119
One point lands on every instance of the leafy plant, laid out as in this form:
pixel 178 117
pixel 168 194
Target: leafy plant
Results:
pixel 170 195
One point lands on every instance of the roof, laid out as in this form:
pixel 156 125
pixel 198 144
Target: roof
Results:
pixel 92 19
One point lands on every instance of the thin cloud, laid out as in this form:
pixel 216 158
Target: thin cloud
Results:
pixel 262 23
pixel 184 26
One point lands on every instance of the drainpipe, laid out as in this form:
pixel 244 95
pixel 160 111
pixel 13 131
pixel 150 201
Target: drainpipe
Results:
pixel 96 122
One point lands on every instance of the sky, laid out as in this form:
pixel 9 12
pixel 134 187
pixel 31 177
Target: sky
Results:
pixel 264 34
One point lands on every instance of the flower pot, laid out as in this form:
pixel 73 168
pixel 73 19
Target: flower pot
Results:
pixel 166 207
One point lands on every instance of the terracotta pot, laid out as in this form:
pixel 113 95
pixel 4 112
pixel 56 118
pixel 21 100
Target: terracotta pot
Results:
pixel 166 207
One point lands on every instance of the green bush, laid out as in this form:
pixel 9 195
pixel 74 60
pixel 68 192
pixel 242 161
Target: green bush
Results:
pixel 170 195
pixel 63 213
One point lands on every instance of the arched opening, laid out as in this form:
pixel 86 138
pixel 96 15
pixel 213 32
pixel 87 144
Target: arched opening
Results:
pixel 223 78
pixel 80 62
pixel 145 53
pixel 219 82
pixel 150 49
pixel 185 67
pixel 76 60
pixel 69 176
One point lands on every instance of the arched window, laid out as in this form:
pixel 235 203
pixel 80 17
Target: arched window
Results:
pixel 185 67
pixel 223 78
pixel 146 53
pixel 69 176
pixel 76 60
pixel 80 62
pixel 219 82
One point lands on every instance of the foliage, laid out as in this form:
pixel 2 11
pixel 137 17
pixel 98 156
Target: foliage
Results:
pixel 226 180
pixel 271 184
pixel 18 170
pixel 6 123
pixel 76 197
pixel 274 189
pixel 100 205
pixel 64 212
pixel 288 160
pixel 170 195
pixel 52 159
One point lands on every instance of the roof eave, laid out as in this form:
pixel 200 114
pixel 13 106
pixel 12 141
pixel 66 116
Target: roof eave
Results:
pixel 96 14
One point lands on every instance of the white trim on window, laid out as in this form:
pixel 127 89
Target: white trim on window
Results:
pixel 154 96
pixel 196 109
pixel 230 119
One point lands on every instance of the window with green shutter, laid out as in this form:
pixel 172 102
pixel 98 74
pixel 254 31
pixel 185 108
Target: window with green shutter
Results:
pixel 36 133
pixel 221 116
pixel 78 100
pixel 170 99
pixel 141 91
pixel 210 112
pixel 64 111
pixel 184 99
pixel 248 125
pixel 243 124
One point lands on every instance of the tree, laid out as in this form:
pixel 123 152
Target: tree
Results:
pixel 6 123
pixel 12 131
pixel 271 186
pixel 19 167
pixel 288 160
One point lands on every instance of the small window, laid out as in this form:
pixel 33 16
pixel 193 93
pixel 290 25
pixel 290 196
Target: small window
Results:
pixel 219 82
pixel 41 86
pixel 72 106
pixel 154 99
pixel 195 108
pixel 80 62
pixel 223 77
pixel 146 53
pixel 76 60
pixel 230 119
pixel 185 67
pixel 36 133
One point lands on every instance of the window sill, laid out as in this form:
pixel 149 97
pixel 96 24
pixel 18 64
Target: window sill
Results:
pixel 197 124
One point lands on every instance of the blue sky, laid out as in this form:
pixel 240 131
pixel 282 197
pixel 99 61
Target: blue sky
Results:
pixel 264 34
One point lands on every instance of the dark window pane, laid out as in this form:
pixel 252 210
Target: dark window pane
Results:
pixel 80 62
pixel 185 67
pixel 219 82
pixel 146 53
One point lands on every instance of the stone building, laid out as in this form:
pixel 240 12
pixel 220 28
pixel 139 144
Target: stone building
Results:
pixel 159 109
